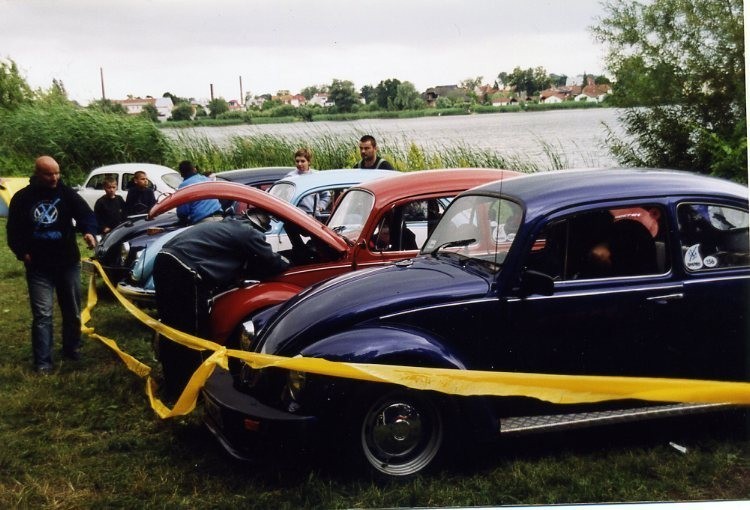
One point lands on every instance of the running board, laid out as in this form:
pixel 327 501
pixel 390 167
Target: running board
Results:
pixel 528 424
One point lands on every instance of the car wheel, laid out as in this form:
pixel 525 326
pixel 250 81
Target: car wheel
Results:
pixel 401 433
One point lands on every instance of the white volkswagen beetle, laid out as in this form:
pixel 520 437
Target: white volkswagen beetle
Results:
pixel 163 179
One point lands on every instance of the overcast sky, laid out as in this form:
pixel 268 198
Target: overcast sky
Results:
pixel 148 47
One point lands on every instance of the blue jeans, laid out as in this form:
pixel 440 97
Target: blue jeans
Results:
pixel 43 283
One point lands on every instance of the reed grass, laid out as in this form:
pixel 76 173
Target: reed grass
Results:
pixel 79 139
pixel 82 139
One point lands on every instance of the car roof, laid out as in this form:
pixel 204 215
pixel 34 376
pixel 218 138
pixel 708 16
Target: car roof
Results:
pixel 254 175
pixel 342 177
pixel 446 180
pixel 149 168
pixel 549 191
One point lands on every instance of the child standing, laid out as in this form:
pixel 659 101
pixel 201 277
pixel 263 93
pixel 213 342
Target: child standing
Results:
pixel 108 208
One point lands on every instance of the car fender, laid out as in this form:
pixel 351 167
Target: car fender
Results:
pixel 384 344
pixel 232 307
pixel 389 345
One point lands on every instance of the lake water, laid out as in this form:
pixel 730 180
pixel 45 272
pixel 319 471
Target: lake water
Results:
pixel 577 135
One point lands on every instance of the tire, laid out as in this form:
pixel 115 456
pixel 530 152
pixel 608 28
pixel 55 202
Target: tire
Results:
pixel 401 433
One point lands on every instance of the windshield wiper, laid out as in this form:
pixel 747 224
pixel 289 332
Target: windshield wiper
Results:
pixel 452 244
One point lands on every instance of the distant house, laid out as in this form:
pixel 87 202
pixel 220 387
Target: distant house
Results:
pixel 320 99
pixel 553 95
pixel 234 105
pixel 504 101
pixel 134 105
pixel 594 93
pixel 432 94
pixel 298 100
pixel 164 106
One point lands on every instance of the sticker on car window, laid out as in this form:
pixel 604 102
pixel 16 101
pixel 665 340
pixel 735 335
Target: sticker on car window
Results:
pixel 710 261
pixel 693 259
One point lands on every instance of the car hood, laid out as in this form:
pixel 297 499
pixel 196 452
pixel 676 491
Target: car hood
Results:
pixel 278 208
pixel 345 301
pixel 131 229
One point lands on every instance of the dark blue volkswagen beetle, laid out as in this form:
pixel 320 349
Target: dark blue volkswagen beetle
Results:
pixel 595 272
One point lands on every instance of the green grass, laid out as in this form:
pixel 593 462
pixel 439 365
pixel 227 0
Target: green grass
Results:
pixel 85 437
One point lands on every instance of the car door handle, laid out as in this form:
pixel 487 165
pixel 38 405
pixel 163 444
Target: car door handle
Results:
pixel 666 298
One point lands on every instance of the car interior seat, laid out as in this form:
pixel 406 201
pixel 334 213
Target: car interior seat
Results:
pixel 633 249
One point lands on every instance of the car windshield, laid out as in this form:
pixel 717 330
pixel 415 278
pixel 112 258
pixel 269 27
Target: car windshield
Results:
pixel 478 228
pixel 283 190
pixel 351 214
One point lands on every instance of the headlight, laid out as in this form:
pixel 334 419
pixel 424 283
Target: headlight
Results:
pixel 124 252
pixel 247 335
pixel 248 375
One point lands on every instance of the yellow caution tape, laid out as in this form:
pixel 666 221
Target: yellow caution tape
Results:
pixel 558 389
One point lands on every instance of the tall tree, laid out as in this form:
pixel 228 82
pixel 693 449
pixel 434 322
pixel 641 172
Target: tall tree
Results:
pixel 217 106
pixel 385 91
pixel 529 81
pixel 344 95
pixel 681 63
pixel 14 90
pixel 368 93
pixel 56 94
pixel 407 97
pixel 310 91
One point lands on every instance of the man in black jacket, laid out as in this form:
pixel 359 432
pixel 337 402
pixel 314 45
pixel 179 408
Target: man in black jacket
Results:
pixel 194 266
pixel 41 234
pixel 368 150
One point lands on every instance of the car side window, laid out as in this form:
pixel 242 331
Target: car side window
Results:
pixel 97 181
pixel 407 226
pixel 127 181
pixel 603 243
pixel 713 236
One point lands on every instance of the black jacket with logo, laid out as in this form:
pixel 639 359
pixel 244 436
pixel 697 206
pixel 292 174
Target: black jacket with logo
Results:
pixel 40 223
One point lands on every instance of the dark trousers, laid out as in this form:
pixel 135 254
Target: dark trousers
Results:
pixel 44 283
pixel 182 302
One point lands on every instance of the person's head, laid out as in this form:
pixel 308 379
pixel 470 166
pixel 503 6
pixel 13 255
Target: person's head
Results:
pixel 47 171
pixel 186 169
pixel 110 186
pixel 302 160
pixel 368 148
pixel 140 179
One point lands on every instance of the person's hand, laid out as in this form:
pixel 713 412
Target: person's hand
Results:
pixel 90 240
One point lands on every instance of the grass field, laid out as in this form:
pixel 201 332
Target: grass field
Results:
pixel 85 437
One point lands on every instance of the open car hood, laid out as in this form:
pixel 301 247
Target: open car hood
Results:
pixel 281 210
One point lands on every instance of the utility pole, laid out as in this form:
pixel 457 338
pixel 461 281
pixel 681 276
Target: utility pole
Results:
pixel 101 78
pixel 242 97
pixel 212 91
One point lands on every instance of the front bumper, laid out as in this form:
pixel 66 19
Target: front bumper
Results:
pixel 249 429
pixel 137 294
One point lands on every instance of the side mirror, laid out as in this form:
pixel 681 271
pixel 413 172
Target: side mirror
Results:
pixel 535 282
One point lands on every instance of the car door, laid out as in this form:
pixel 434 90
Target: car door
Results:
pixel 604 317
pixel 398 231
pixel 714 259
